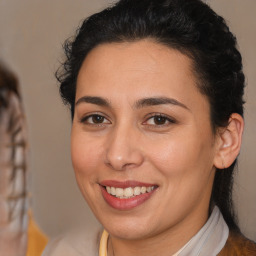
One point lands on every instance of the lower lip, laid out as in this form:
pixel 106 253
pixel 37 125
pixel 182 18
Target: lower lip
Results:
pixel 125 204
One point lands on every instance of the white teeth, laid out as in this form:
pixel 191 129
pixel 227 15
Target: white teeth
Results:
pixel 143 190
pixel 136 191
pixel 113 191
pixel 119 192
pixel 128 192
pixel 149 189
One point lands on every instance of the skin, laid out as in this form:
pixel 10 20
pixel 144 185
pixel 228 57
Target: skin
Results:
pixel 179 155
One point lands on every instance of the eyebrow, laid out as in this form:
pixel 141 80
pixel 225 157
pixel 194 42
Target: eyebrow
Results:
pixel 94 100
pixel 153 101
pixel 159 101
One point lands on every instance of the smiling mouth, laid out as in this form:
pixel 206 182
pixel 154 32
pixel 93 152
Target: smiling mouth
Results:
pixel 129 192
pixel 126 195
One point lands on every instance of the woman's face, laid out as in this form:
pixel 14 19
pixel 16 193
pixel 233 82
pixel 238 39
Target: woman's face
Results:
pixel 142 132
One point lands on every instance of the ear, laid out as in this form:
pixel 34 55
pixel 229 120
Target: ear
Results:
pixel 228 142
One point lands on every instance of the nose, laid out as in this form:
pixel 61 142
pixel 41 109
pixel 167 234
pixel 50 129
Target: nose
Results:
pixel 123 149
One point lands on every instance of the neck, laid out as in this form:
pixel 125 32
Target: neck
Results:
pixel 147 247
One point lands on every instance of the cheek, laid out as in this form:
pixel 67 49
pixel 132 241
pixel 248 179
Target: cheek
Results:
pixel 85 159
pixel 182 155
pixel 85 156
pixel 185 166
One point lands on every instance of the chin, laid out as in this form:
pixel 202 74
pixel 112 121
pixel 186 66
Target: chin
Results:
pixel 128 233
pixel 128 228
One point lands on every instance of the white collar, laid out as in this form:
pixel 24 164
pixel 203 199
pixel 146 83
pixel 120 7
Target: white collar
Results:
pixel 210 239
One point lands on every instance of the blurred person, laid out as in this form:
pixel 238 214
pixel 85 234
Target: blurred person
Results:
pixel 17 237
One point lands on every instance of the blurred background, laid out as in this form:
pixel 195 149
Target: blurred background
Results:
pixel 31 37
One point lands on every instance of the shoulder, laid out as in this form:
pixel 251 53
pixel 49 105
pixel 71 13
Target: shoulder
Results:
pixel 237 244
pixel 75 243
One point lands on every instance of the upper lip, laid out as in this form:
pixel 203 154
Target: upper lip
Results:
pixel 125 184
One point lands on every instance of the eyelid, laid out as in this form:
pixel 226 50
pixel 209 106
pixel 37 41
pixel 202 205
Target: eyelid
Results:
pixel 171 120
pixel 89 115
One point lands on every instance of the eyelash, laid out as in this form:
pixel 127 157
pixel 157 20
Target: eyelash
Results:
pixel 165 118
pixel 159 115
pixel 85 119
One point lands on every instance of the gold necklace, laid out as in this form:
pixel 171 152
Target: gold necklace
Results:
pixel 103 249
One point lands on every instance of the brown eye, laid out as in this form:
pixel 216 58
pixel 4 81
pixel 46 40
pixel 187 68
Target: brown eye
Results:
pixel 95 119
pixel 160 120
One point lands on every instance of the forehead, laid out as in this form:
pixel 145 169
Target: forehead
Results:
pixel 144 55
pixel 138 69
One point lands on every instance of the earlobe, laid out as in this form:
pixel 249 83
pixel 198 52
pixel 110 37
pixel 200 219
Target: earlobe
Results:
pixel 229 142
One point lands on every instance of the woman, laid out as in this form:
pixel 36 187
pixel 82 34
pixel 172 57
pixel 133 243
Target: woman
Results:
pixel 155 89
